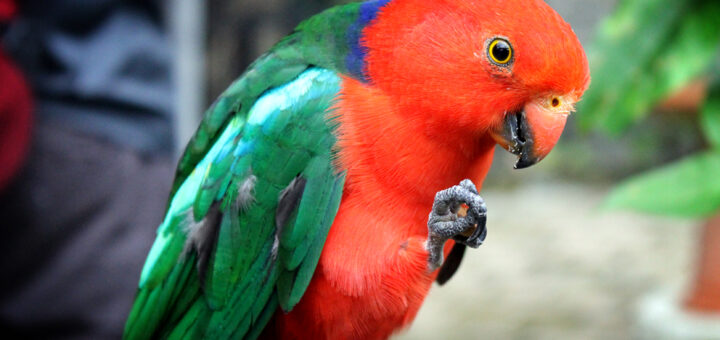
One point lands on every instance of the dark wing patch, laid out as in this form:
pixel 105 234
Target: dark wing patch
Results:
pixel 452 263
pixel 202 238
pixel 288 202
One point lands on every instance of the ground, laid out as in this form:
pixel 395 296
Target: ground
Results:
pixel 555 266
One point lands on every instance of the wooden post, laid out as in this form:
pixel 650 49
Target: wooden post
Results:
pixel 705 294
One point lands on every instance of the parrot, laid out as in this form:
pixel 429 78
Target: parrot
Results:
pixel 332 183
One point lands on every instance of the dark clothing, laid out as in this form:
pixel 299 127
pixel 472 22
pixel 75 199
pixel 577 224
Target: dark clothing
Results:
pixel 81 216
pixel 99 66
pixel 78 225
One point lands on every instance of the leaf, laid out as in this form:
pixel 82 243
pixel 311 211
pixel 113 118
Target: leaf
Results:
pixel 647 50
pixel 642 25
pixel 710 117
pixel 688 188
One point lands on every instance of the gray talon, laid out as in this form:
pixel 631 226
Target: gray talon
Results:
pixel 444 223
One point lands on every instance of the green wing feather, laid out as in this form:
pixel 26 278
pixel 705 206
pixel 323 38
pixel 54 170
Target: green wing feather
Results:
pixel 254 267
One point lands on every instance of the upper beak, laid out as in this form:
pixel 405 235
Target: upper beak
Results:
pixel 530 133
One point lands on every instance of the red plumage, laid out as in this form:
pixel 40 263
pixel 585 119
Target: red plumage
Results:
pixel 420 126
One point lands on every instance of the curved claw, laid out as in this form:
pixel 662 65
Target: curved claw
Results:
pixel 477 238
pixel 479 212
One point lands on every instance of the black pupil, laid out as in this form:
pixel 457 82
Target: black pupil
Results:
pixel 501 51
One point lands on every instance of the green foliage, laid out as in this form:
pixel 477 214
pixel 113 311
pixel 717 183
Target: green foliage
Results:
pixel 710 117
pixel 690 187
pixel 645 51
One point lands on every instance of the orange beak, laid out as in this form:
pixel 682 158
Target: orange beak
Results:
pixel 532 132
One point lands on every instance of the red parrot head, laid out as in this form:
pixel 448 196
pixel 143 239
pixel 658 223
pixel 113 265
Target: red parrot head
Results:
pixel 508 69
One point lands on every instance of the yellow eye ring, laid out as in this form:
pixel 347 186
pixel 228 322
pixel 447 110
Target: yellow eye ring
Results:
pixel 500 52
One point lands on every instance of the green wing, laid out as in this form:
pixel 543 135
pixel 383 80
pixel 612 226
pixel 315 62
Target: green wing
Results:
pixel 321 40
pixel 244 231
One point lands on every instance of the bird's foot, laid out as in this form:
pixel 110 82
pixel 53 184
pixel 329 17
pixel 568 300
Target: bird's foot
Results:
pixel 445 223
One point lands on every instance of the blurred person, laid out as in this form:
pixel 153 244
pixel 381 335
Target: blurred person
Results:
pixel 80 216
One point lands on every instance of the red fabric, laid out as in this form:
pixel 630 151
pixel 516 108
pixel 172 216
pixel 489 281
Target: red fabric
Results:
pixel 7 10
pixel 15 119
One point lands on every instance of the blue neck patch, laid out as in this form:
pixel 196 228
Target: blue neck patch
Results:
pixel 355 60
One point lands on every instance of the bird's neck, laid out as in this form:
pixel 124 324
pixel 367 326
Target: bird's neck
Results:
pixel 394 154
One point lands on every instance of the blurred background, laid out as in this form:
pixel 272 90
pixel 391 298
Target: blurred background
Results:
pixel 610 237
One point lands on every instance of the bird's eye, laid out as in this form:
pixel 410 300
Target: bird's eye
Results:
pixel 555 102
pixel 500 52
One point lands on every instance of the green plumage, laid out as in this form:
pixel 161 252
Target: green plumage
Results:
pixel 220 267
pixel 252 263
pixel 321 41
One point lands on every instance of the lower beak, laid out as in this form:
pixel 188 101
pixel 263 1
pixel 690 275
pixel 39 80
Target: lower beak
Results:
pixel 530 133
